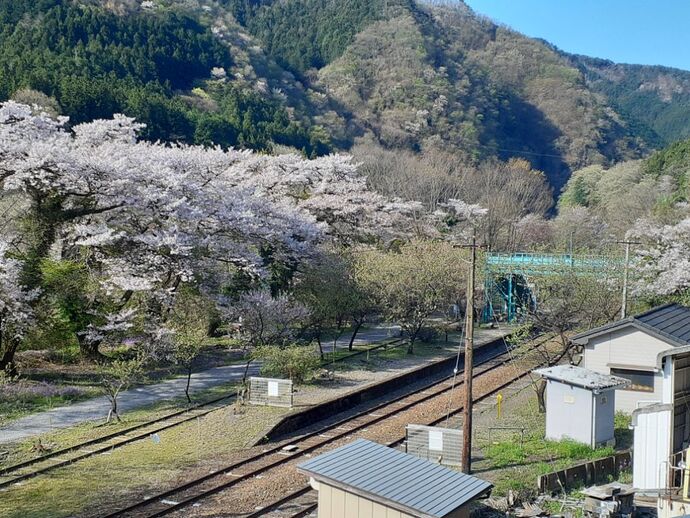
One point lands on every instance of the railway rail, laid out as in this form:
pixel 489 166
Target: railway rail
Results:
pixel 304 501
pixel 186 494
pixel 65 456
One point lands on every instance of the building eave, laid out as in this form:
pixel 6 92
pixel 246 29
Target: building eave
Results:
pixel 584 338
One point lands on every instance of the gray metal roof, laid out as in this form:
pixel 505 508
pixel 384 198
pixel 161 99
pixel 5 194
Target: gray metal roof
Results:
pixel 396 479
pixel 582 377
pixel 670 323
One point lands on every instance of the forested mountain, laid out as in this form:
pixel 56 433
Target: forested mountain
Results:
pixel 656 187
pixel 324 75
pixel 654 100
pixel 95 62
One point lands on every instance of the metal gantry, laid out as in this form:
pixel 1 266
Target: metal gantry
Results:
pixel 509 279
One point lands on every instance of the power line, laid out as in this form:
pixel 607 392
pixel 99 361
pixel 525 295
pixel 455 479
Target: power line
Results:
pixel 495 148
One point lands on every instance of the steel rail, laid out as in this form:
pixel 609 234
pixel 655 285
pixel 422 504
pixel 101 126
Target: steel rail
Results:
pixel 307 488
pixel 171 505
pixel 4 472
pixel 92 442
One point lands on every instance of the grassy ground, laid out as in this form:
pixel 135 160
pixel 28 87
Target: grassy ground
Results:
pixel 108 481
pixel 27 398
pixel 47 381
pixel 514 456
pixel 63 438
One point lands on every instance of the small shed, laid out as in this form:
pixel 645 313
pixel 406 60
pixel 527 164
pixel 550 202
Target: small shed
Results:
pixel 364 479
pixel 580 404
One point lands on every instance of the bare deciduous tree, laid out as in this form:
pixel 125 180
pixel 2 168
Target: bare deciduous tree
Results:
pixel 413 283
pixel 570 301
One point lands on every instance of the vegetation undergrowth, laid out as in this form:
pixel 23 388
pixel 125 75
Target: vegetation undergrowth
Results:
pixel 515 453
pixel 505 454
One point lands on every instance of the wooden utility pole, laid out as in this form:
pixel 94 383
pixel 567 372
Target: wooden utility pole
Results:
pixel 624 302
pixel 469 351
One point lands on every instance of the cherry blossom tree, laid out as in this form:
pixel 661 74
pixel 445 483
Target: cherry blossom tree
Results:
pixel 16 314
pixel 662 262
pixel 331 190
pixel 145 218
pixel 268 320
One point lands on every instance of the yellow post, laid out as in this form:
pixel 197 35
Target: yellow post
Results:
pixel 686 476
pixel 499 398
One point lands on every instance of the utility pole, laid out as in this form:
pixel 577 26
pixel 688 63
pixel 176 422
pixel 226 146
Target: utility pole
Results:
pixel 624 302
pixel 469 351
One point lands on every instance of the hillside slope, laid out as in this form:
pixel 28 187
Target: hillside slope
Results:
pixel 657 186
pixel 654 100
pixel 441 76
pixel 321 75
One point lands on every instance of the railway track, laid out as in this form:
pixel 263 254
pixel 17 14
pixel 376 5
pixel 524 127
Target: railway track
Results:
pixel 304 501
pixel 65 456
pixel 184 495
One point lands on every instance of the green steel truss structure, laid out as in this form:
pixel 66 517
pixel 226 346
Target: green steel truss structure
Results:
pixel 509 279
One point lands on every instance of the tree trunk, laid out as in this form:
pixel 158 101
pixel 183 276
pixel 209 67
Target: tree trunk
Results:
pixel 541 389
pixel 358 325
pixel 413 338
pixel 318 341
pixel 189 380
pixel 113 408
pixel 7 363
pixel 246 370
pixel 89 350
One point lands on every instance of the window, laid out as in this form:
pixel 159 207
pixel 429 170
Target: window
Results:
pixel 641 381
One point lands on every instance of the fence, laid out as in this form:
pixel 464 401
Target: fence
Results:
pixel 441 445
pixel 270 391
pixel 585 474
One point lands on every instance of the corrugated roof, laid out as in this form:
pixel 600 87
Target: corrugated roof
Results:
pixel 672 319
pixel 582 377
pixel 670 323
pixel 396 479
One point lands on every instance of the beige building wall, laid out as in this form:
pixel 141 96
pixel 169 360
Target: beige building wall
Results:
pixel 627 347
pixel 337 503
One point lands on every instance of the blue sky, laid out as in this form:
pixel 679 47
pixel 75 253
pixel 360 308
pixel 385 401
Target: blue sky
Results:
pixel 648 32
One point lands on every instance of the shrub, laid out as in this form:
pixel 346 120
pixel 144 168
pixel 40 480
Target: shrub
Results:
pixel 294 362
pixel 18 396
pixel 427 334
pixel 22 391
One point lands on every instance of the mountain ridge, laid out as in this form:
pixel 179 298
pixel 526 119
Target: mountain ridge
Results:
pixel 321 75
